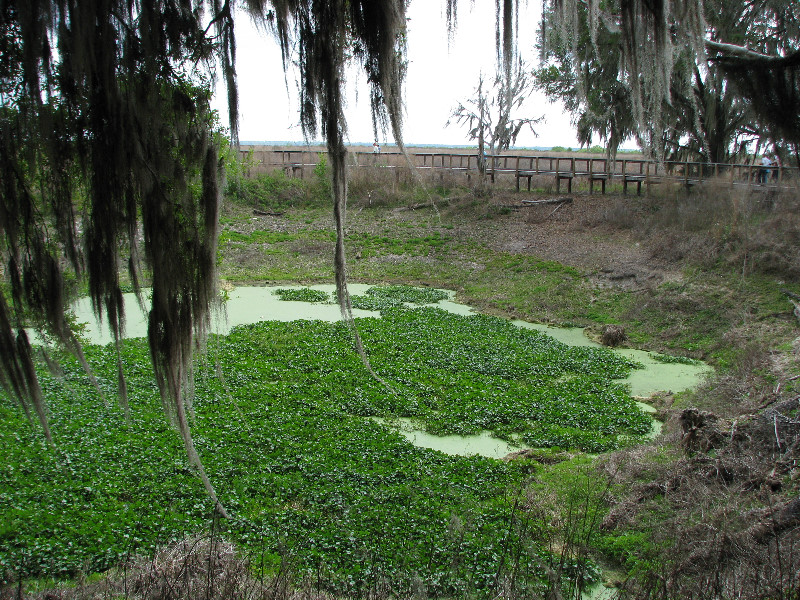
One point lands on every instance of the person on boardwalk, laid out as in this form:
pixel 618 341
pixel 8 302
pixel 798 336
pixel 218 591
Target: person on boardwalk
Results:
pixel 763 174
pixel 776 162
pixel 376 147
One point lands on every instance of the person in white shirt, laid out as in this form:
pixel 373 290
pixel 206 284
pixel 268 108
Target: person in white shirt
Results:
pixel 764 173
pixel 776 162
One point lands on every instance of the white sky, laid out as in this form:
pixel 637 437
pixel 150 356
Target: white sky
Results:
pixel 439 76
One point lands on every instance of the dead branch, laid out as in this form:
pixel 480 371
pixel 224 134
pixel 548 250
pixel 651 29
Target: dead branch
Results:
pixel 562 200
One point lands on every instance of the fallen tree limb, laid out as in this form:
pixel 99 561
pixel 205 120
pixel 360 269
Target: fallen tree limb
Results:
pixel 563 200
pixel 416 206
pixel 782 518
pixel 731 548
pixel 793 298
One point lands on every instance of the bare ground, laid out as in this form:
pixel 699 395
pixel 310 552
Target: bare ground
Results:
pixel 577 233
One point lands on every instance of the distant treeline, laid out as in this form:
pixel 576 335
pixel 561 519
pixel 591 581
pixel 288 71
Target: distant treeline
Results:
pixel 320 145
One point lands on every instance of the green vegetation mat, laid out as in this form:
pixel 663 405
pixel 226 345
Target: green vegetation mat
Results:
pixel 389 296
pixel 303 295
pixel 280 423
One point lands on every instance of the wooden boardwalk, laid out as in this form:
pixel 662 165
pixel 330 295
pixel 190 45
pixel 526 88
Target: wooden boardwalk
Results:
pixel 524 169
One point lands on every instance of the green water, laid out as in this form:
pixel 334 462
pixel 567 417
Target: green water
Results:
pixel 655 377
pixel 243 305
pixel 250 304
pixel 484 443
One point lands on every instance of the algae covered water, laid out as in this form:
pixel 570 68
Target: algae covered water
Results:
pixel 252 304
pixel 240 306
pixel 313 454
pixel 655 374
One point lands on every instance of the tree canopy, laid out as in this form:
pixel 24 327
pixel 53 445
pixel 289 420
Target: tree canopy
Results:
pixel 702 116
pixel 685 75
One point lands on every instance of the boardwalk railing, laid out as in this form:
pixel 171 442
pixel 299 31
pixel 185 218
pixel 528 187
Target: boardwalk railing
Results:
pixel 523 168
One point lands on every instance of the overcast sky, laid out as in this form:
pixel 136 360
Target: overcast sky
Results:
pixel 440 74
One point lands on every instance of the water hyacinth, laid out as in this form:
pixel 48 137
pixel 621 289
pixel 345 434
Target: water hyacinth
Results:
pixel 280 423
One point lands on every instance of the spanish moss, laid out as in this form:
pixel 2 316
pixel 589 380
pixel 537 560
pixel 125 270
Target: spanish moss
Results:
pixel 325 33
pixel 106 137
pixel 107 144
pixel 653 36
pixel 774 86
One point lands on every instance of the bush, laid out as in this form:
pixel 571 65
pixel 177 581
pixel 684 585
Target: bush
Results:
pixel 273 191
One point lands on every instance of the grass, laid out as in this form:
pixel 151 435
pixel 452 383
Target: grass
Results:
pixel 734 253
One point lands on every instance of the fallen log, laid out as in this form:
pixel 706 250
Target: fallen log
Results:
pixel 264 213
pixel 793 298
pixel 562 200
pixel 416 206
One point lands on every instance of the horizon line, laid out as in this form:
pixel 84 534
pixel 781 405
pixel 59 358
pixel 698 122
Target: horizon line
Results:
pixel 421 145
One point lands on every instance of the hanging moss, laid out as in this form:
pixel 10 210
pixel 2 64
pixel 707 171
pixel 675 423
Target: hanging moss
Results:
pixel 658 38
pixel 774 86
pixel 106 138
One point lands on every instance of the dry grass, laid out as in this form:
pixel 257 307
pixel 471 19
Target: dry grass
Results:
pixel 196 568
pixel 717 493
pixel 720 522
pixel 748 229
pixel 753 230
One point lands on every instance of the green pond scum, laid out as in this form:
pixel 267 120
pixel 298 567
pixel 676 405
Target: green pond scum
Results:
pixel 280 419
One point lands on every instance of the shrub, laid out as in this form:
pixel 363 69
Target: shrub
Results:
pixel 273 191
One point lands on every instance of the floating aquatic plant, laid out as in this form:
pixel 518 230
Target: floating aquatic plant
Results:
pixel 302 295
